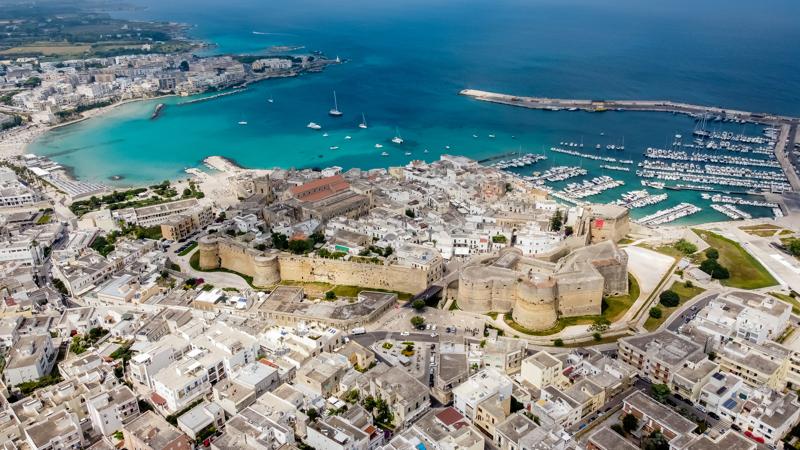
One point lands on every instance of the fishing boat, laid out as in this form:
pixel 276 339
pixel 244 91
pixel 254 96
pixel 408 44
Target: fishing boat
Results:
pixel 314 126
pixel 397 139
pixel 363 124
pixel 335 111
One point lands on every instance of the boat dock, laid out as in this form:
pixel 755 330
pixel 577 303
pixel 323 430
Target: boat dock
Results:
pixel 731 211
pixel 669 215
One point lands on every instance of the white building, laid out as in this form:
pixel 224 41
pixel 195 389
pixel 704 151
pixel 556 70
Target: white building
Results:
pixel 30 359
pixel 478 388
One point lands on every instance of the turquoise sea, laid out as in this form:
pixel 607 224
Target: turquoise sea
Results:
pixel 407 60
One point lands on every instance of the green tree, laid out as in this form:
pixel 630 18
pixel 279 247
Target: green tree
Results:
pixel 597 336
pixel 419 304
pixel 712 253
pixel 417 321
pixel 330 295
pixel 184 66
pixel 558 342
pixel 655 441
pixel 630 423
pixel 312 414
pixel 660 392
pixel 299 246
pixel 557 220
pixel 410 213
pixel 655 313
pixel 669 298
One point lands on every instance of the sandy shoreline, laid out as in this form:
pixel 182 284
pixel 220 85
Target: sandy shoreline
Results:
pixel 15 141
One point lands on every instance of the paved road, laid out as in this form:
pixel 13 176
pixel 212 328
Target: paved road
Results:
pixel 679 317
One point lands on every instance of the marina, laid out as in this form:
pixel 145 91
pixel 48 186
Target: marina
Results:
pixel 669 215
pixel 588 188
pixel 731 211
pixel 639 199
pixel 522 161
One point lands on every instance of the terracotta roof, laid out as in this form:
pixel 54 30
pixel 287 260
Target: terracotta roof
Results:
pixel 319 189
pixel 158 400
pixel 449 416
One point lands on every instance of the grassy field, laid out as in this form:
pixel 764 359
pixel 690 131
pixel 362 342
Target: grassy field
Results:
pixel 615 307
pixel 787 299
pixel 763 230
pixel 315 288
pixel 48 49
pixel 685 293
pixel 746 272
pixel 560 325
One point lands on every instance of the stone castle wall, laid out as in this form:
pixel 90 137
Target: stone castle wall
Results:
pixel 376 276
pixel 268 269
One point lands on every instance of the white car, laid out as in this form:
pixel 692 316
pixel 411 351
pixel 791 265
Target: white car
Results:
pixel 404 333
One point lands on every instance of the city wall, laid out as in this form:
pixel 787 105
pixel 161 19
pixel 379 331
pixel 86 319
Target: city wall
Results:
pixel 269 268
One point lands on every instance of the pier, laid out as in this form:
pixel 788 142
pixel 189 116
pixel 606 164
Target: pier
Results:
pixel 557 104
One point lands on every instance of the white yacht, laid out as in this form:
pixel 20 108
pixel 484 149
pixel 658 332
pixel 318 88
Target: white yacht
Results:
pixel 363 124
pixel 378 145
pixel 242 122
pixel 335 111
pixel 325 134
pixel 384 154
pixel 347 138
pixel 397 139
pixel 314 126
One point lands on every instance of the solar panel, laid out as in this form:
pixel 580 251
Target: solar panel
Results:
pixel 729 403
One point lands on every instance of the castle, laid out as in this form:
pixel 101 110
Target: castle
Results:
pixel 269 267
pixel 537 292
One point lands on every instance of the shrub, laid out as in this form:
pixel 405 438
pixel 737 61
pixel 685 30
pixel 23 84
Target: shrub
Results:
pixel 597 336
pixel 417 321
pixel 712 253
pixel 669 298
pixel 418 304
pixel 655 313
pixel 685 247
pixel 330 295
pixel 558 342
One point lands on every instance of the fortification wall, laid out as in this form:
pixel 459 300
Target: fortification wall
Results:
pixel 580 297
pixel 376 276
pixel 616 278
pixel 534 307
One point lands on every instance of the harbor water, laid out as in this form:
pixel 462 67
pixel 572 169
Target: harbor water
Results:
pixel 406 62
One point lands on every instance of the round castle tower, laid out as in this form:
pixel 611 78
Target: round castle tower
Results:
pixel 209 252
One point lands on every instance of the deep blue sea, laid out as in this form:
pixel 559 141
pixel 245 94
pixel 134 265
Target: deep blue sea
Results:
pixel 407 60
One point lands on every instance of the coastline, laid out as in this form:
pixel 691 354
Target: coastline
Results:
pixel 15 141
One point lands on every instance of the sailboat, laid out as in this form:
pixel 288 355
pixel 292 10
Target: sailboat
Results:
pixel 335 111
pixel 270 99
pixel 363 123
pixel 397 139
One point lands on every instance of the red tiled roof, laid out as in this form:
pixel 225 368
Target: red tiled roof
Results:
pixel 158 400
pixel 319 189
pixel 449 416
